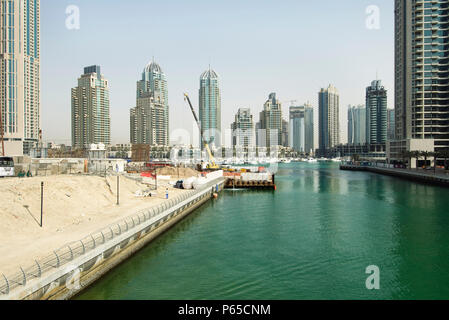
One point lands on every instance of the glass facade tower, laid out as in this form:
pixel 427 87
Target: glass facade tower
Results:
pixel 210 108
pixel 390 124
pixel 301 128
pixel 376 113
pixel 356 125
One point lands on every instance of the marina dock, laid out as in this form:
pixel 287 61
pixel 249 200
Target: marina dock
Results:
pixel 256 181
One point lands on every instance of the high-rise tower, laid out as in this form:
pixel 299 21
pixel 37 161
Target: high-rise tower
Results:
pixel 329 124
pixel 210 108
pixel 271 122
pixel 243 133
pixel 149 119
pixel 301 128
pixel 376 113
pixel 356 125
pixel 421 71
pixel 91 121
pixel 20 106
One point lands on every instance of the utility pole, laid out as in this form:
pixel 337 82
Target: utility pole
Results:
pixel 118 190
pixel 42 202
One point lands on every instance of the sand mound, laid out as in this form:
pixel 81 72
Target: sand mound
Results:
pixel 183 172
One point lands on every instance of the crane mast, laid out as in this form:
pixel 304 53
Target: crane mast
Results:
pixel 212 164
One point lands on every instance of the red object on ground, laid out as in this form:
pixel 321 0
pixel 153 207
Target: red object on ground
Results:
pixel 231 174
pixel 148 175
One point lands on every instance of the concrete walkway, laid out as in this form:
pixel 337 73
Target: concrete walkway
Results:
pixel 427 176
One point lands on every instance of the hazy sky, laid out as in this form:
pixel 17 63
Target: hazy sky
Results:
pixel 293 48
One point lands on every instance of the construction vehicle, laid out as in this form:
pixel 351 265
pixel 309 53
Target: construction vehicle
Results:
pixel 211 165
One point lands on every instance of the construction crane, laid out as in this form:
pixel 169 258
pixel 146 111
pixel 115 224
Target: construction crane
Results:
pixel 211 165
pixel 292 102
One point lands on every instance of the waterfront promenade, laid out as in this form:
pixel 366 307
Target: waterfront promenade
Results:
pixel 437 177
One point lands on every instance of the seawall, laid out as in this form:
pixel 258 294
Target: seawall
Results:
pixel 82 263
pixel 422 177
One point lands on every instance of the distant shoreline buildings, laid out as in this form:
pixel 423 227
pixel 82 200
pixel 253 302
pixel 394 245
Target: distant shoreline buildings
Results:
pixel 418 122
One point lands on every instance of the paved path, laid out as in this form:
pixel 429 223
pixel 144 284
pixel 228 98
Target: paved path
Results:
pixel 440 177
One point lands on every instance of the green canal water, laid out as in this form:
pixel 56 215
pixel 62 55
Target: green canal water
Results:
pixel 311 239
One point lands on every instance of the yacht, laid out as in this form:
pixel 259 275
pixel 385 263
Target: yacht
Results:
pixel 253 162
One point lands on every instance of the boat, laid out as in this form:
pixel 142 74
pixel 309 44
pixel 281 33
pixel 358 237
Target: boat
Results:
pixel 254 162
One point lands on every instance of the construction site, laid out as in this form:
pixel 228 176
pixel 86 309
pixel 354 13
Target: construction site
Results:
pixel 53 207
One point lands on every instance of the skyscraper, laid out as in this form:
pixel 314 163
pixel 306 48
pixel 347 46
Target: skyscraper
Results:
pixel 90 109
pixel 210 108
pixel 390 124
pixel 301 128
pixel 309 144
pixel 421 72
pixel 285 133
pixel 271 122
pixel 376 113
pixel 20 107
pixel 297 128
pixel 329 124
pixel 243 133
pixel 149 119
pixel 356 125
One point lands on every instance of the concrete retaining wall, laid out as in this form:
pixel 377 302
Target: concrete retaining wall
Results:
pixel 404 174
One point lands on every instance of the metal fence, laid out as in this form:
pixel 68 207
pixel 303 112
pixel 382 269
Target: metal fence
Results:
pixel 66 254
